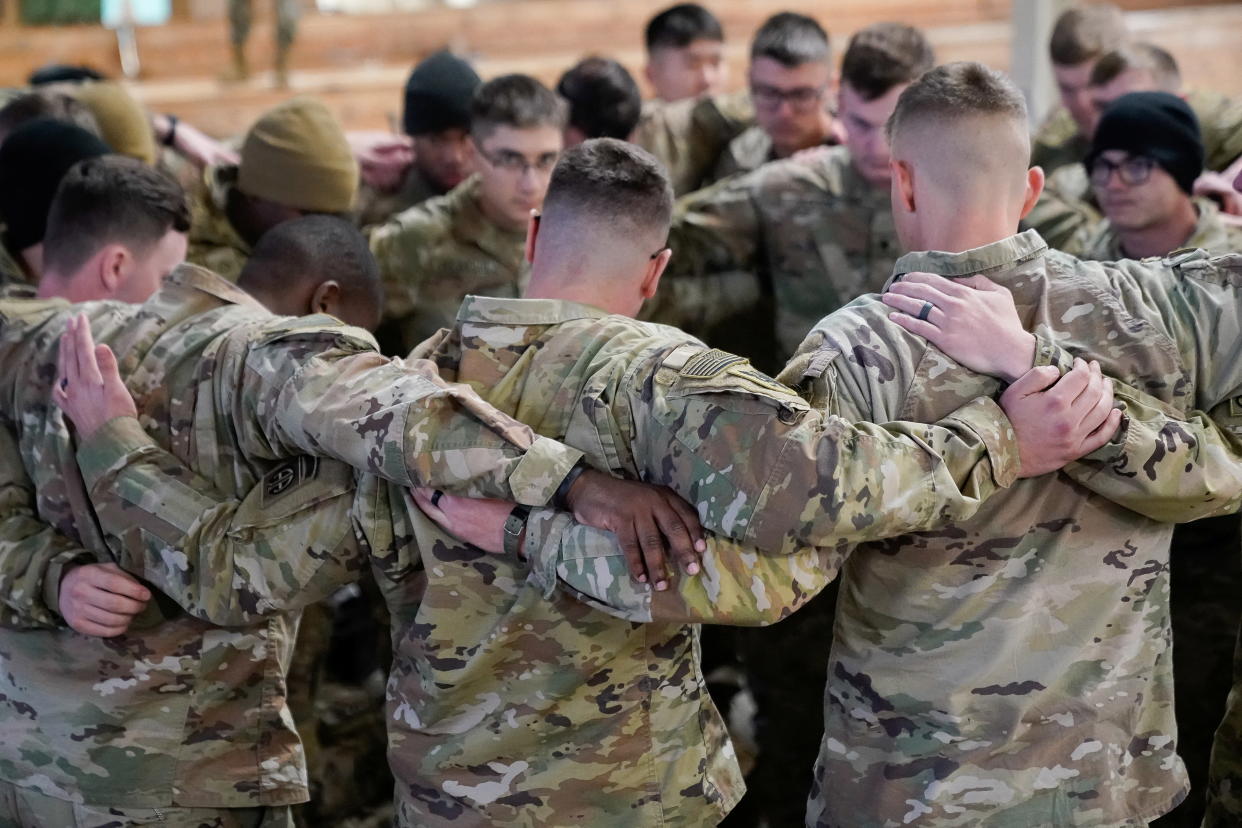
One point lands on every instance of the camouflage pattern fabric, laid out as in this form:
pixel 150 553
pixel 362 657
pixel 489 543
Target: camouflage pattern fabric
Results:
pixel 814 230
pixel 214 244
pixel 504 706
pixel 26 808
pixel 183 712
pixel 376 207
pixel 432 255
pixel 1210 233
pixel 1043 692
pixel 689 136
pixel 241 13
pixel 1066 208
pixel 1058 143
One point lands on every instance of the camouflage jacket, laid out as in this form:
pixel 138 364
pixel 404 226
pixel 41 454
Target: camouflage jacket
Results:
pixel 475 701
pixel 376 207
pixel 185 712
pixel 433 255
pixel 1058 143
pixel 815 231
pixel 751 150
pixel 1210 233
pixel 689 136
pixel 1066 208
pixel 214 243
pixel 1014 668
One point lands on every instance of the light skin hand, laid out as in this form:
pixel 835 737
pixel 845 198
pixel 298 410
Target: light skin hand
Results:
pixel 974 322
pixel 1219 186
pixel 101 599
pixel 479 522
pixel 88 384
pixel 383 157
pixel 1058 421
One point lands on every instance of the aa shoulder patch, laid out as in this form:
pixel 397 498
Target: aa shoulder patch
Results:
pixel 711 363
pixel 287 477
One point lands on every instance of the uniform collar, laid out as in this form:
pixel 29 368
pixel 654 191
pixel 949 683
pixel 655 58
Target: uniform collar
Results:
pixel 1005 253
pixel 190 277
pixel 498 311
pixel 471 226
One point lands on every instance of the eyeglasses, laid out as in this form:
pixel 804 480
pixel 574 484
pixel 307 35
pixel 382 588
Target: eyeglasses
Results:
pixel 515 162
pixel 1133 171
pixel 800 99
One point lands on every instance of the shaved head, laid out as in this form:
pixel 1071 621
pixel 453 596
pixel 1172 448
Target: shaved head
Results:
pixel 960 134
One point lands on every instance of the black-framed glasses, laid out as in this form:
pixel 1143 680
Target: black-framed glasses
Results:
pixel 514 162
pixel 1132 171
pixel 802 98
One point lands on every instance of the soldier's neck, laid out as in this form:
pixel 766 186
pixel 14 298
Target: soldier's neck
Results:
pixel 1162 237
pixel 570 287
pixel 958 234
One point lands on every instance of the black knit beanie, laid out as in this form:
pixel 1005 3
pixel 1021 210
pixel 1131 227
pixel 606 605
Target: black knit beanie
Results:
pixel 438 93
pixel 33 160
pixel 1158 125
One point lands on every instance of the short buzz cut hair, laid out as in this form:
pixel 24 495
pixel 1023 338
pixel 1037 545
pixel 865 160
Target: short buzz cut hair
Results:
pixel 957 90
pixel 678 26
pixel 517 101
pixel 884 55
pixel 604 101
pixel 1085 32
pixel 791 40
pixel 613 182
pixel 313 249
pixel 1143 57
pixel 111 199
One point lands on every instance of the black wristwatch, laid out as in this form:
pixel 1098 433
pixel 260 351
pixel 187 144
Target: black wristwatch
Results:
pixel 515 525
pixel 559 500
pixel 170 137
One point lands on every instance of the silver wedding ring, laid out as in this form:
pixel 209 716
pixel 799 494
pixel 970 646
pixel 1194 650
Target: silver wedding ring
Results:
pixel 926 311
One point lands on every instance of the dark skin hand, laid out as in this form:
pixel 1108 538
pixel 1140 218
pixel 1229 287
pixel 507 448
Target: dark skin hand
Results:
pixel 644 518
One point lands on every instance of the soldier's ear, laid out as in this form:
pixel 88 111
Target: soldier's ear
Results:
pixel 114 263
pixel 1034 189
pixel 903 186
pixel 655 269
pixel 326 298
pixel 532 235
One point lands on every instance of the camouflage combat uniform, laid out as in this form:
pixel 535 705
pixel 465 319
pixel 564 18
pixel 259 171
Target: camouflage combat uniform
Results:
pixel 214 243
pixel 506 708
pixel 813 232
pixel 376 207
pixel 185 713
pixel 688 136
pixel 1101 243
pixel 750 151
pixel 433 255
pixel 1014 669
pixel 1068 205
pixel 287 13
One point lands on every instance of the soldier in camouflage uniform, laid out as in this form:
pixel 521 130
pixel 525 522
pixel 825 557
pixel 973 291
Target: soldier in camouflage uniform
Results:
pixel 791 86
pixel 295 161
pixel 1158 133
pixel 484 665
pixel 1048 698
pixel 470 240
pixel 183 688
pixel 1082 34
pixel 437 119
pixel 815 233
pixel 1068 204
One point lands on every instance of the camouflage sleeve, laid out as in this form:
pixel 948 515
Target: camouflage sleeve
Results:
pixel 1065 224
pixel 765 469
pixel 399 248
pixel 33 555
pixel 288 543
pixel 688 136
pixel 738 585
pixel 715 230
pixel 1168 465
pixel 289 392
